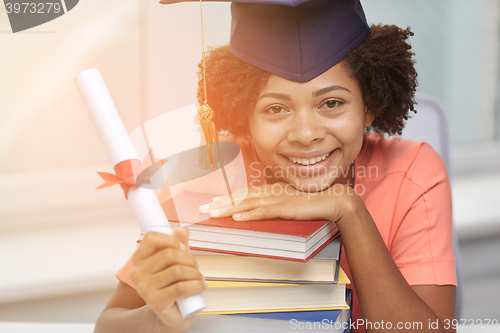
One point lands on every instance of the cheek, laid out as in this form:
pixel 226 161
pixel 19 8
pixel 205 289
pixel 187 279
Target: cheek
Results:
pixel 349 132
pixel 265 139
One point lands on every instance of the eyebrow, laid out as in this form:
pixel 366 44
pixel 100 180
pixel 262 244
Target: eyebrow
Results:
pixel 316 93
pixel 328 89
pixel 277 95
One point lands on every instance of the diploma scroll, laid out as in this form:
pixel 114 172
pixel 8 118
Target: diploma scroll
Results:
pixel 144 202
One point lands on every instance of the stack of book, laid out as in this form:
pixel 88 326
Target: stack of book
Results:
pixel 277 239
pixel 266 272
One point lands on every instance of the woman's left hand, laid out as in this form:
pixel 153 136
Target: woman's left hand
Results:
pixel 281 200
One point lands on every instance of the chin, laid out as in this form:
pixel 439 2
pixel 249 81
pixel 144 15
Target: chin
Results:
pixel 311 185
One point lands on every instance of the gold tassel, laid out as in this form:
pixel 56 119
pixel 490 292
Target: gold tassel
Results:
pixel 210 151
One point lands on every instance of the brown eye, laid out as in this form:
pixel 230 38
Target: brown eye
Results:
pixel 331 104
pixel 275 109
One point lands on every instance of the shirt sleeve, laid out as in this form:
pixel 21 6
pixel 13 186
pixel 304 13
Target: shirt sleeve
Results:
pixel 422 246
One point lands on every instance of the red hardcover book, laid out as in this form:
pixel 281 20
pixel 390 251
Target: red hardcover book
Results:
pixel 276 238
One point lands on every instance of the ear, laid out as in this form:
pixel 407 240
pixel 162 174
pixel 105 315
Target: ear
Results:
pixel 369 117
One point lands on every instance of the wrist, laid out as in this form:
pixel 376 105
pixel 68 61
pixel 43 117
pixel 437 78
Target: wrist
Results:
pixel 160 327
pixel 170 323
pixel 350 206
pixel 158 324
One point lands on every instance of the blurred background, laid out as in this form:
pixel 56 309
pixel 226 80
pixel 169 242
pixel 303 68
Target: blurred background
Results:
pixel 61 242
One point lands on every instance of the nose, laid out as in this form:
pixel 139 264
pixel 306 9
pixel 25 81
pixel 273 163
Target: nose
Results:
pixel 306 128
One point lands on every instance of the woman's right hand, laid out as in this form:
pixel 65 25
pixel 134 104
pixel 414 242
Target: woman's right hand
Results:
pixel 165 271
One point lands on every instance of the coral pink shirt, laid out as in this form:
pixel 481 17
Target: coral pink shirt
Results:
pixel 406 189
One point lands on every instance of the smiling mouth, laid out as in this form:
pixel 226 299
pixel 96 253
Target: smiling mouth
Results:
pixel 311 160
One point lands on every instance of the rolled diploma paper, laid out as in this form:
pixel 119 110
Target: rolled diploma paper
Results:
pixel 144 202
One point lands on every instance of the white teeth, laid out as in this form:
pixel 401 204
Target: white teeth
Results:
pixel 309 161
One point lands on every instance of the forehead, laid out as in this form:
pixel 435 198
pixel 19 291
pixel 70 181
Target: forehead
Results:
pixel 340 74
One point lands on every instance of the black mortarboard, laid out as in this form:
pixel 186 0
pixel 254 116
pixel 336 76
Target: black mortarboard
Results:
pixel 295 39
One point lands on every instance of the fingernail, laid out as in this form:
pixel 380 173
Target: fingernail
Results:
pixel 206 285
pixel 216 199
pixel 214 212
pixel 204 208
pixel 236 216
pixel 182 247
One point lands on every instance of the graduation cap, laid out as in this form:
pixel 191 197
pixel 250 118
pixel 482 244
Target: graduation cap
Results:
pixel 295 39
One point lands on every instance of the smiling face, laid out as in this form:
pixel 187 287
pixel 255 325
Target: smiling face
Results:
pixel 307 134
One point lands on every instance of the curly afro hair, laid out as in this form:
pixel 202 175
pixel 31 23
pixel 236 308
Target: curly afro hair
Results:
pixel 382 64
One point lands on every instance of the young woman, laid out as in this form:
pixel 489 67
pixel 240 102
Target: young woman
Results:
pixel 321 144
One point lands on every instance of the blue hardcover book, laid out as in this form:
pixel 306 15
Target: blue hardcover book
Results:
pixel 315 316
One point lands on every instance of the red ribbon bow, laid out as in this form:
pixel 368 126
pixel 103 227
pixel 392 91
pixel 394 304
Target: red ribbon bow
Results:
pixel 124 176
